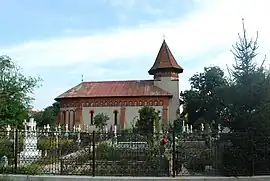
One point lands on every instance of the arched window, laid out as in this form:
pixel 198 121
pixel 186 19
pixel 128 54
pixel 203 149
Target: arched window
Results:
pixel 115 112
pixel 135 103
pixel 92 117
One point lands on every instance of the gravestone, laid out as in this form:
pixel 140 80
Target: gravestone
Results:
pixel 30 152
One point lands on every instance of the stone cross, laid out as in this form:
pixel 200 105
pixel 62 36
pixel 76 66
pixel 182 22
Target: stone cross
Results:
pixel 115 131
pixel 8 130
pixel 59 129
pixel 202 127
pixel 74 128
pixel 191 128
pixel 32 124
pixel 79 128
pixel 187 128
pixel 219 128
pixel 87 128
pixel 66 128
pixel 66 131
pixel 183 127
pixel 48 128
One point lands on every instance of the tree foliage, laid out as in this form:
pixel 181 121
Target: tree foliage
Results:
pixel 240 101
pixel 48 115
pixel 15 91
pixel 205 101
pixel 100 120
pixel 145 123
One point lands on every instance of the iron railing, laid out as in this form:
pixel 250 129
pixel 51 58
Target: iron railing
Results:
pixel 132 154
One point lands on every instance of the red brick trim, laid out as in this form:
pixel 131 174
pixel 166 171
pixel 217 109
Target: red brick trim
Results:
pixel 114 102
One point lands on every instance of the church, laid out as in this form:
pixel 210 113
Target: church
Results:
pixel 121 100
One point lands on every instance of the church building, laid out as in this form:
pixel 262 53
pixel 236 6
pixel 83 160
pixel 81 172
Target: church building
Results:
pixel 121 100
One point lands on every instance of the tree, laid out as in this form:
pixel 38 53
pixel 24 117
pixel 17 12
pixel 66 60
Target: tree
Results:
pixel 15 91
pixel 249 109
pixel 205 101
pixel 250 89
pixel 145 123
pixel 100 120
pixel 48 115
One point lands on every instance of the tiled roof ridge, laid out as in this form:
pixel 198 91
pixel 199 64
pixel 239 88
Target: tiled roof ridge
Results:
pixel 108 81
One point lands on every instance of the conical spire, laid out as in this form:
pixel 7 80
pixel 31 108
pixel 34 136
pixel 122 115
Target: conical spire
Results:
pixel 165 61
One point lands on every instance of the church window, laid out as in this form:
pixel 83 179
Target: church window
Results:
pixel 160 103
pixel 115 112
pixel 135 103
pixel 150 103
pixel 145 103
pixel 106 104
pixel 120 103
pixel 101 104
pixel 130 103
pixel 92 104
pixel 74 111
pixel 156 103
pixel 96 103
pixel 111 103
pixel 115 103
pixel 91 117
pixel 126 103
pixel 140 103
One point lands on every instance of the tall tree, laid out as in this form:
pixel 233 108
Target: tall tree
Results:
pixel 249 109
pixel 15 91
pixel 250 89
pixel 205 101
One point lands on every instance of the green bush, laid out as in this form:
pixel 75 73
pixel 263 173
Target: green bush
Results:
pixel 195 155
pixel 47 144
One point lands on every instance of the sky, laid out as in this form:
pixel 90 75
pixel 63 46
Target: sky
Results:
pixel 119 39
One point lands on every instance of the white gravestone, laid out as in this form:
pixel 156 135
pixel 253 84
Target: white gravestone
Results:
pixel 8 130
pixel 202 127
pixel 183 127
pixel 30 152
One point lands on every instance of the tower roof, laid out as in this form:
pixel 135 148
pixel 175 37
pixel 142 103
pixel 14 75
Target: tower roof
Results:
pixel 165 61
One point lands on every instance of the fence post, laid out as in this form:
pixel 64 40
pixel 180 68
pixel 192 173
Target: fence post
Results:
pixel 173 154
pixel 94 154
pixel 16 151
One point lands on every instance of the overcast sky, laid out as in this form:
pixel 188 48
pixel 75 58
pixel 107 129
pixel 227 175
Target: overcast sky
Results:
pixel 119 39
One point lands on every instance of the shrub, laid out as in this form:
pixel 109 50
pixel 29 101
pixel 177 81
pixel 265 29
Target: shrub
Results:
pixel 195 155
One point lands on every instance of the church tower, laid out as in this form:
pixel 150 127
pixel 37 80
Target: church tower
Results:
pixel 165 71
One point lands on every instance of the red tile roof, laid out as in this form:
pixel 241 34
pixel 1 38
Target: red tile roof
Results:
pixel 165 60
pixel 114 89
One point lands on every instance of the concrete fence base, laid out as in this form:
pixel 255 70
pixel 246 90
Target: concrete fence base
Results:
pixel 87 178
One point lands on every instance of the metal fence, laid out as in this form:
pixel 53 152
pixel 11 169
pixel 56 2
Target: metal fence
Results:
pixel 132 154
